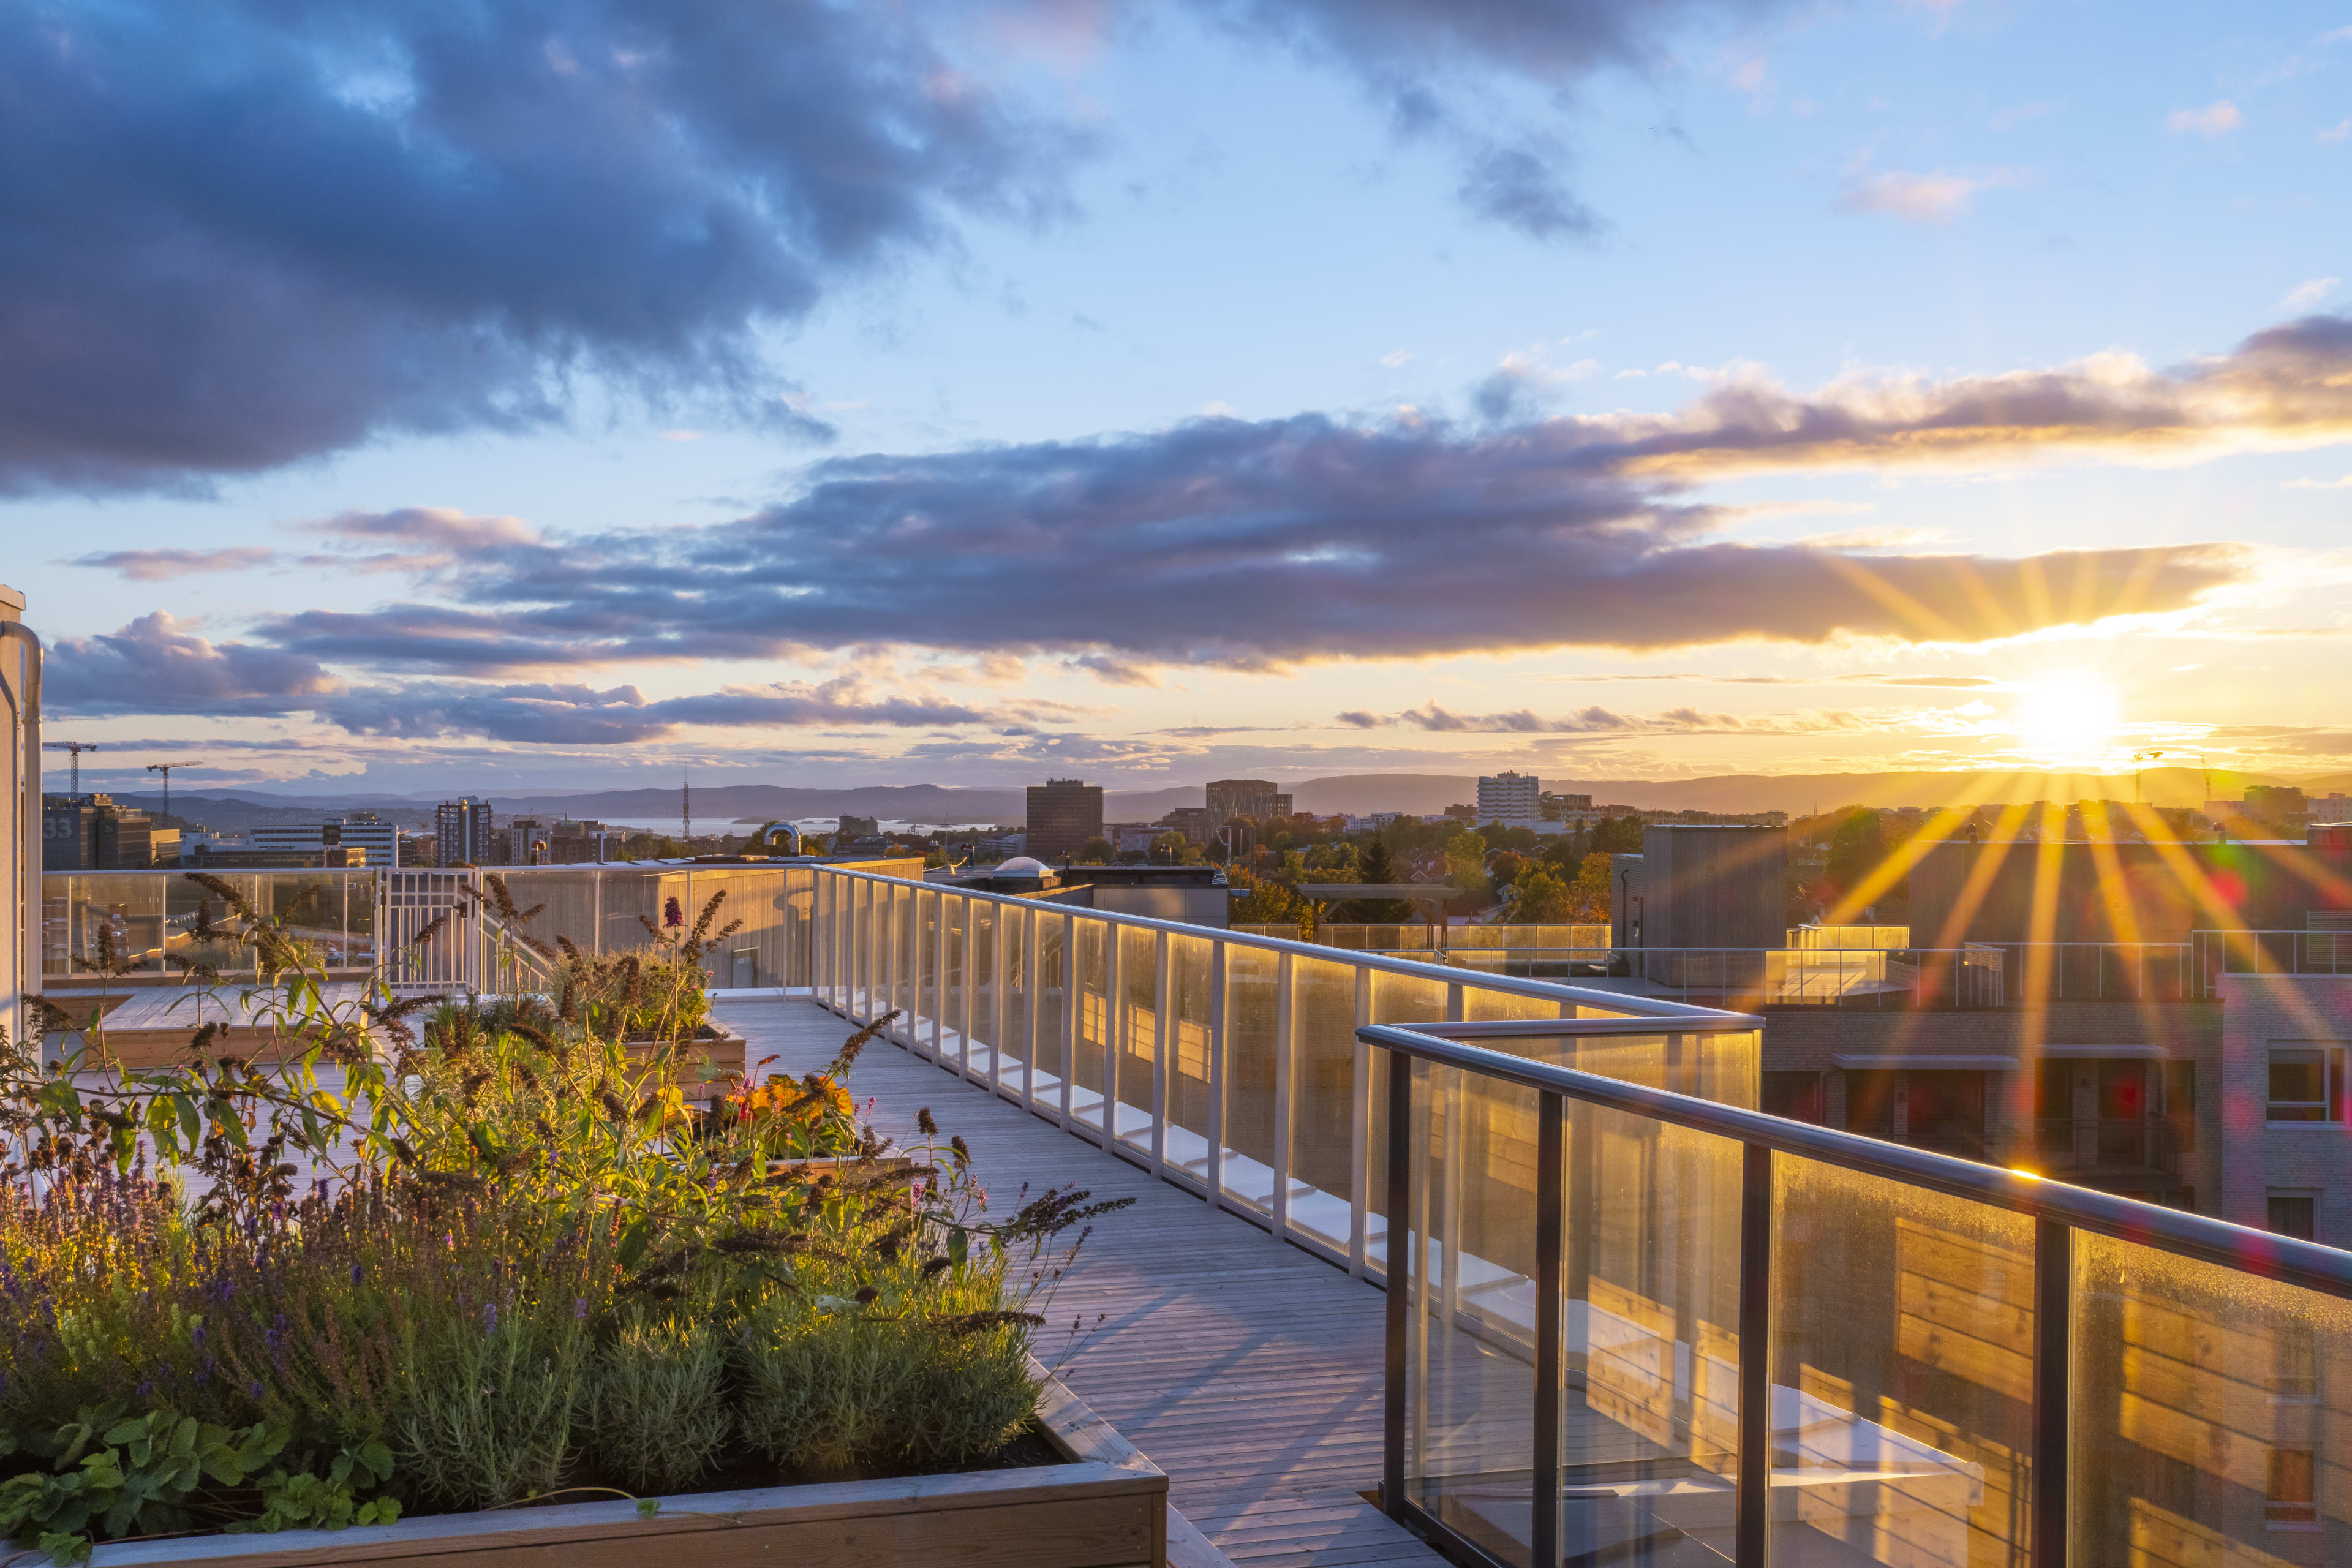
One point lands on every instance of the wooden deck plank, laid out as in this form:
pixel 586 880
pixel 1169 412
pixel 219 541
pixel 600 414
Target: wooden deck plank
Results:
pixel 1247 1369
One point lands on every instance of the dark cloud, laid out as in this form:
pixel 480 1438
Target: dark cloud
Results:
pixel 156 665
pixel 160 565
pixel 243 233
pixel 1254 544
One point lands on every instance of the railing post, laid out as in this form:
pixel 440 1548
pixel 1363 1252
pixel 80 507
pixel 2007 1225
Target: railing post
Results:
pixel 2053 1303
pixel 1752 1532
pixel 1552 1111
pixel 964 969
pixel 1401 1273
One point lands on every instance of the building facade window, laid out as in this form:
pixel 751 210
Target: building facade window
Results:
pixel 2307 1083
pixel 2292 1498
pixel 2294 1211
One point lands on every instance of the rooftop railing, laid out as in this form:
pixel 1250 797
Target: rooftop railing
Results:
pixel 1225 1062
pixel 1638 1324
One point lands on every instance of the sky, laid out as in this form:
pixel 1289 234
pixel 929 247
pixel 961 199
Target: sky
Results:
pixel 420 397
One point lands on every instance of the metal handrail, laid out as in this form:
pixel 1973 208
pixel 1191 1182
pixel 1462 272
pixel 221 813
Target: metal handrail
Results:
pixel 2208 1240
pixel 2056 1209
pixel 1688 1017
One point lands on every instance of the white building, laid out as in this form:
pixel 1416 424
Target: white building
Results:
pixel 359 830
pixel 1510 800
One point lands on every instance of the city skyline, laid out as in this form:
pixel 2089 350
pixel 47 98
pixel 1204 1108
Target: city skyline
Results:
pixel 1170 393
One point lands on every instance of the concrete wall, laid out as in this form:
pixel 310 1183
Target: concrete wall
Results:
pixel 2257 1155
pixel 1714 887
pixel 1194 905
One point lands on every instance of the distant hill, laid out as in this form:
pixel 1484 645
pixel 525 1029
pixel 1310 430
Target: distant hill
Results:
pixel 1358 794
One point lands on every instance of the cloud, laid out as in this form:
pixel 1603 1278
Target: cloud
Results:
pixel 1597 720
pixel 2339 131
pixel 2340 484
pixel 1428 63
pixel 156 665
pixel 1937 197
pixel 2216 118
pixel 162 566
pixel 1251 544
pixel 2309 294
pixel 244 233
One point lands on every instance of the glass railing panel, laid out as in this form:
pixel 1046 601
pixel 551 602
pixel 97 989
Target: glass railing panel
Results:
pixel 1469 1260
pixel 187 905
pixel 106 920
pixel 1322 1099
pixel 955 977
pixel 1051 969
pixel 1137 1040
pixel 928 1026
pixel 1014 988
pixel 2210 1412
pixel 568 899
pixel 1396 999
pixel 760 954
pixel 1252 977
pixel 1092 939
pixel 1902 1374
pixel 981 967
pixel 1191 1118
pixel 1650 1316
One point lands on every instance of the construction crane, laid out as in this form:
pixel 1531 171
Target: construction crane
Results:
pixel 77 748
pixel 165 768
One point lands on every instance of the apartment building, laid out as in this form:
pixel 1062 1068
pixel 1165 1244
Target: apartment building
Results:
pixel 1510 800
pixel 1063 815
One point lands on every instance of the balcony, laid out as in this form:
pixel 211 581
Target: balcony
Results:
pixel 1521 1257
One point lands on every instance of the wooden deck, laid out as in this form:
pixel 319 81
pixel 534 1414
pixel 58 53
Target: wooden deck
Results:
pixel 1247 1370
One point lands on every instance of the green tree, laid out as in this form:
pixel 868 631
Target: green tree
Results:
pixel 1095 852
pixel 1539 898
pixel 1588 895
pixel 1622 834
pixel 1465 868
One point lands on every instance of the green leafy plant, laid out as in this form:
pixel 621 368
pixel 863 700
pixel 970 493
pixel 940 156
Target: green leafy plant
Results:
pixel 114 1475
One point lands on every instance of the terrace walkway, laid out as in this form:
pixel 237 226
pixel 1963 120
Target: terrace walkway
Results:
pixel 1247 1370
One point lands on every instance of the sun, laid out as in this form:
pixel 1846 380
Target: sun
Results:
pixel 2068 713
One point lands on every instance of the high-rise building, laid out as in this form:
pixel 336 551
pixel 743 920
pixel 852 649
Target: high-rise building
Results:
pixel 462 832
pixel 1257 799
pixel 1510 800
pixel 1063 815
pixel 91 833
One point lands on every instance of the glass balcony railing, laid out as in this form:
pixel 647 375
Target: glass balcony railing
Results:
pixel 1226 1062
pixel 1661 1329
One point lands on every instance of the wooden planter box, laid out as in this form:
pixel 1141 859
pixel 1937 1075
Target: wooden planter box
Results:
pixel 1106 1507
pixel 705 1067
